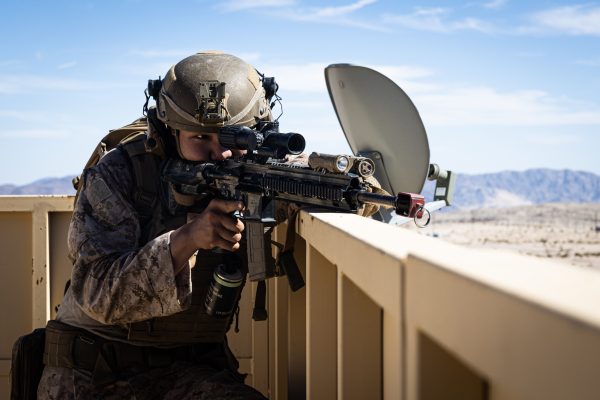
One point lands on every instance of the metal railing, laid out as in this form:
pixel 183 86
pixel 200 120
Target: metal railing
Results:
pixel 386 313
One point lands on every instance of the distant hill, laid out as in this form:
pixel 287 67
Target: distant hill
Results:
pixel 501 189
pixel 512 188
pixel 42 186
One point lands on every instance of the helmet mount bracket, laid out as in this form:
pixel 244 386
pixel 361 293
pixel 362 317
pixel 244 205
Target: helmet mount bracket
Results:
pixel 211 108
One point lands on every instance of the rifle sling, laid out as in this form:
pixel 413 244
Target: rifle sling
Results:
pixel 259 313
pixel 285 258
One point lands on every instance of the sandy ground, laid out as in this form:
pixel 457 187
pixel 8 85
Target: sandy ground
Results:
pixel 564 232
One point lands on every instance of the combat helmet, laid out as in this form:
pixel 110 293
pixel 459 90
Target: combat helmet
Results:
pixel 209 90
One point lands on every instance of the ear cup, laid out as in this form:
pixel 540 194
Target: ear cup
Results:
pixel 154 86
pixel 160 139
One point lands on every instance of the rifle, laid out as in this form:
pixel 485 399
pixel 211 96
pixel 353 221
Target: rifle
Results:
pixel 261 178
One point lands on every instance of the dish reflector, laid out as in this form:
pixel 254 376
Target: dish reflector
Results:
pixel 380 122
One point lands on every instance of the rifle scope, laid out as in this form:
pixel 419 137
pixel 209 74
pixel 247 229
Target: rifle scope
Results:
pixel 269 144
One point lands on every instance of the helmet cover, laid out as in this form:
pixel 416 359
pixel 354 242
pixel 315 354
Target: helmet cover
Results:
pixel 209 90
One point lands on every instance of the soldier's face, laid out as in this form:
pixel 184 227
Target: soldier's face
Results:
pixel 204 147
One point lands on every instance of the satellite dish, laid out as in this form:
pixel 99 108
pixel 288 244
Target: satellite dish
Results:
pixel 380 122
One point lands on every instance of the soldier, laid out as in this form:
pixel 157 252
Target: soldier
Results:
pixel 132 323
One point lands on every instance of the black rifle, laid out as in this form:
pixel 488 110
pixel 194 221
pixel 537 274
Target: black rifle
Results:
pixel 260 178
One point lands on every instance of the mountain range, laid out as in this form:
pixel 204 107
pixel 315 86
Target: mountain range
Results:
pixel 62 185
pixel 492 190
pixel 516 188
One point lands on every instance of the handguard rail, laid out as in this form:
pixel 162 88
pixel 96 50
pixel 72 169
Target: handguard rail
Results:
pixel 386 313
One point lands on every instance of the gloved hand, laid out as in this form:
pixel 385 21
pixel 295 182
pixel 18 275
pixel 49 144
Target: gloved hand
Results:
pixel 374 186
pixel 299 159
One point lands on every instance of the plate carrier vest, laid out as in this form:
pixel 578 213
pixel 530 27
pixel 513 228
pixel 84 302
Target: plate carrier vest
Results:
pixel 193 325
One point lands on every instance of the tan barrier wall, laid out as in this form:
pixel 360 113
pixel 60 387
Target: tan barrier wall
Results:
pixel 34 269
pixel 385 314
pixel 394 315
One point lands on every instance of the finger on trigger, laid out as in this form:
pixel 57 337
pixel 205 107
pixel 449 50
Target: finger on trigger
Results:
pixel 234 225
pixel 228 206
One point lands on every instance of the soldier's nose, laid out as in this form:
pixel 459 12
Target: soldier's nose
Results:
pixel 221 154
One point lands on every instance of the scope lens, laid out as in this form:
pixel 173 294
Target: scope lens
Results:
pixel 342 163
pixel 296 143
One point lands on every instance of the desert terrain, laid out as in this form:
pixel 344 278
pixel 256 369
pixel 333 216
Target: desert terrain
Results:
pixel 564 232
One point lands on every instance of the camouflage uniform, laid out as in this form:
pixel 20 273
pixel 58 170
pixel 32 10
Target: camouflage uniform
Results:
pixel 118 279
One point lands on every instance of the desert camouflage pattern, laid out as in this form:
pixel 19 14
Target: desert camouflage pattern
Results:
pixel 116 280
pixel 180 381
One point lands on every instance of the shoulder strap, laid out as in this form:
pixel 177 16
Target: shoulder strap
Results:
pixel 113 138
pixel 145 170
pixel 109 142
pixel 132 139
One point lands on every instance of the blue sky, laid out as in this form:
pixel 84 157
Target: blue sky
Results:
pixel 499 84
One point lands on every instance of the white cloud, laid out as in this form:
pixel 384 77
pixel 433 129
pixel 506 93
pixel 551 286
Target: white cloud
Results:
pixel 300 78
pixel 176 55
pixel 408 77
pixel 446 105
pixel 593 62
pixel 449 105
pixel 436 20
pixel 529 54
pixel 6 63
pixel 144 71
pixel 24 115
pixel 309 78
pixel 486 106
pixel 162 53
pixel 338 15
pixel 249 57
pixel 439 103
pixel 33 83
pixel 46 119
pixel 160 61
pixel 307 104
pixel 67 65
pixel 343 20
pixel 400 73
pixel 34 134
pixel 238 5
pixel 495 4
pixel 329 12
pixel 573 20
pixel 552 139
